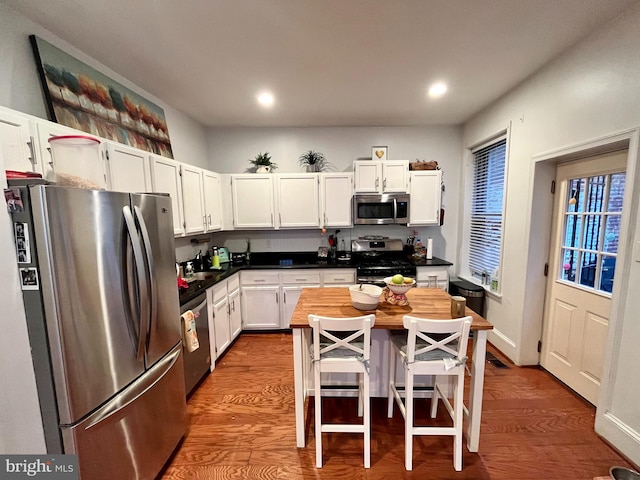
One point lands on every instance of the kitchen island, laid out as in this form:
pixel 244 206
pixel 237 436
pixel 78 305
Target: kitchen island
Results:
pixel 423 302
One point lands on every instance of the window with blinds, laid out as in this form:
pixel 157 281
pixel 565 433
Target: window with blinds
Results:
pixel 486 208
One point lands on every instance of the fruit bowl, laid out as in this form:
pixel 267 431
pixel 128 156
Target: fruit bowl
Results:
pixel 400 288
pixel 365 297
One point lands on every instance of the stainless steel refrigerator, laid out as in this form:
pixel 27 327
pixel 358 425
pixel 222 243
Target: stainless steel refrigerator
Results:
pixel 98 280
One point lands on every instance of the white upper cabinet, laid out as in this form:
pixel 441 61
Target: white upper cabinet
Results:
pixel 425 190
pixel 336 197
pixel 298 200
pixel 127 168
pixel 192 200
pixel 17 146
pixel 165 178
pixel 389 176
pixel 212 200
pixel 253 202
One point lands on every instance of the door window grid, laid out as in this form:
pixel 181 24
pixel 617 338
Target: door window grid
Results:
pixel 591 231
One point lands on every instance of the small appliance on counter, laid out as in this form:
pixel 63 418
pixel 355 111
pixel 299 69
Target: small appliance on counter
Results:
pixel 223 253
pixel 238 259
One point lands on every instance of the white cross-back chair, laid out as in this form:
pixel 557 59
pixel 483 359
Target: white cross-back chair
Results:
pixel 437 348
pixel 342 345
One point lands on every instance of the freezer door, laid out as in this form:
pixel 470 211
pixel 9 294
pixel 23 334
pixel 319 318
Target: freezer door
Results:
pixel 133 435
pixel 154 220
pixel 82 241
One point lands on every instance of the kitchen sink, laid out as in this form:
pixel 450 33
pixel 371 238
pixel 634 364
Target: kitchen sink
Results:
pixel 200 276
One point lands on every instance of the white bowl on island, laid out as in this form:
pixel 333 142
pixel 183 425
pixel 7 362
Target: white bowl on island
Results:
pixel 400 288
pixel 365 296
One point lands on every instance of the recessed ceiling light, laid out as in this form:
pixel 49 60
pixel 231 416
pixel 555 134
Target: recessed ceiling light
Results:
pixel 265 99
pixel 437 90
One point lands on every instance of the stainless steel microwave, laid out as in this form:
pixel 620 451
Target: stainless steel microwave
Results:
pixel 381 209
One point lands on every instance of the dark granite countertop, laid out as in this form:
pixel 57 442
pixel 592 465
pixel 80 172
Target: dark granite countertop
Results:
pixel 280 260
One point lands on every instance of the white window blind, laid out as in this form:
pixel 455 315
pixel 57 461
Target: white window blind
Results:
pixel 486 208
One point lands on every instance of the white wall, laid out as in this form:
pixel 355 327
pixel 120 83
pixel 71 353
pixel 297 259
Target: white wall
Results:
pixel 589 92
pixel 20 85
pixel 230 150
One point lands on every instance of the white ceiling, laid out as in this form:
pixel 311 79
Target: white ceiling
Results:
pixel 328 62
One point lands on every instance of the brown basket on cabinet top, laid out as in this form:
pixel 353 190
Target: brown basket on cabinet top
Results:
pixel 423 165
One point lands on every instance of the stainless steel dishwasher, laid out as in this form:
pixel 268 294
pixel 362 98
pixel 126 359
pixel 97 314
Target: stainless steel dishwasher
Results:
pixel 197 363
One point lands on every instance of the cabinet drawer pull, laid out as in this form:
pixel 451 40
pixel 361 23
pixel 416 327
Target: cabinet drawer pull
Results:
pixel 301 279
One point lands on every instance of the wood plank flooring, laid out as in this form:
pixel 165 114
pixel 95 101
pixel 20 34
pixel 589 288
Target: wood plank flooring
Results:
pixel 242 426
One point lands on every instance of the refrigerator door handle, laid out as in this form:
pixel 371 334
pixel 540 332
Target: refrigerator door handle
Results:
pixel 142 281
pixel 146 242
pixel 136 391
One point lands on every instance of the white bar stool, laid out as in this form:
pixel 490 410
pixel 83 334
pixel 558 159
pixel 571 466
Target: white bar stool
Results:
pixel 331 353
pixel 430 347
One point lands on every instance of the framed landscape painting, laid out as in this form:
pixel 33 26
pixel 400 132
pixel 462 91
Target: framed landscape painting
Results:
pixel 80 97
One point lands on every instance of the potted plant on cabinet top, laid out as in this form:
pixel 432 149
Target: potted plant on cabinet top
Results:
pixel 313 161
pixel 263 163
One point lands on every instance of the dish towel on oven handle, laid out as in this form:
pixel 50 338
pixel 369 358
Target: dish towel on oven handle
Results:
pixel 189 334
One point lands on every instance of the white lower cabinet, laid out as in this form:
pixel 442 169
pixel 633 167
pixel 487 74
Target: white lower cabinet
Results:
pixel 269 297
pixel 433 277
pixel 224 315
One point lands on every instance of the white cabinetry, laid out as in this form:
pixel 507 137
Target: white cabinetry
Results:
pixel 17 146
pixel 388 176
pixel 338 277
pixel 127 168
pixel 192 199
pixel 292 282
pixel 336 197
pixel 252 197
pixel 260 300
pixel 298 200
pixel 425 192
pixel 212 207
pixel 224 315
pixel 165 178
pixel 433 277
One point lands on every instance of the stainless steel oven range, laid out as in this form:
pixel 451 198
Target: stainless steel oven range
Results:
pixel 378 257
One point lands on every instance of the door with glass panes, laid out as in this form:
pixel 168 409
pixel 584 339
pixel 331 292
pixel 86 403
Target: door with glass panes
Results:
pixel 586 227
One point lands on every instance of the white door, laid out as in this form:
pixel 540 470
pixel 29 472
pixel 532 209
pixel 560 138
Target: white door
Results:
pixel 260 307
pixel 235 317
pixel 367 177
pixel 16 143
pixel 394 176
pixel 252 201
pixel 586 226
pixel 337 199
pixel 221 322
pixel 128 169
pixel 165 178
pixel 212 207
pixel 426 193
pixel 298 200
pixel 194 217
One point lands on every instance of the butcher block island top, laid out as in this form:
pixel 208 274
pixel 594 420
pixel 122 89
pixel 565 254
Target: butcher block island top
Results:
pixel 336 302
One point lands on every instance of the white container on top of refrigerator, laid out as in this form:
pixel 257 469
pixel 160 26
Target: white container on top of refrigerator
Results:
pixel 103 319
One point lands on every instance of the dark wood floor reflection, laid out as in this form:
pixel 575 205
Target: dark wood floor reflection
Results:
pixel 242 426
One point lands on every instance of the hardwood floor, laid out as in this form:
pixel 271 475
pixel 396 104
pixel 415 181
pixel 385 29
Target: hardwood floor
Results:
pixel 242 426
